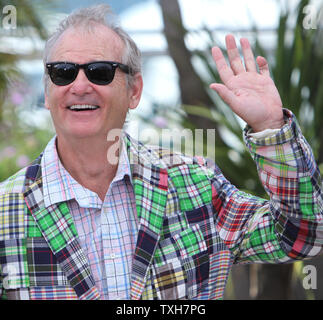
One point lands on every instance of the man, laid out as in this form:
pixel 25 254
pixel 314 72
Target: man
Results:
pixel 101 216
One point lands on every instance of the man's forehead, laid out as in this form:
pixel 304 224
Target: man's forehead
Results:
pixel 97 38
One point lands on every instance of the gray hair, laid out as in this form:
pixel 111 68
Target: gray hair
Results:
pixel 88 18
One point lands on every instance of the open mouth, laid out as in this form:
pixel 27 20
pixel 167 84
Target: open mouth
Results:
pixel 83 107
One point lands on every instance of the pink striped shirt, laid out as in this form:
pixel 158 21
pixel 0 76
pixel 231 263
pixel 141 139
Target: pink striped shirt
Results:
pixel 107 230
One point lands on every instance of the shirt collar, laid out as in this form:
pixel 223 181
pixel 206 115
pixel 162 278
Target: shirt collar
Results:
pixel 60 186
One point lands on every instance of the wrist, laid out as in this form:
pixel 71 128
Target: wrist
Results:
pixel 278 124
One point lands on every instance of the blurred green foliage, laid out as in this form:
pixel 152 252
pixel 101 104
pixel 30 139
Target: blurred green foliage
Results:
pixel 20 142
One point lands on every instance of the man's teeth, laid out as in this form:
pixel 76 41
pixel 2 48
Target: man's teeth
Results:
pixel 79 107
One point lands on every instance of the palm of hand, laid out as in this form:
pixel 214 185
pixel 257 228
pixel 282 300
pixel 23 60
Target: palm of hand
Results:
pixel 251 95
pixel 257 98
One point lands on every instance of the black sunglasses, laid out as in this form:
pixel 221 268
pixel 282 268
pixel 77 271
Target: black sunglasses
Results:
pixel 98 72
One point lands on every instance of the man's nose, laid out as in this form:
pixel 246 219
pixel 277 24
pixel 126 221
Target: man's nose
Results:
pixel 81 85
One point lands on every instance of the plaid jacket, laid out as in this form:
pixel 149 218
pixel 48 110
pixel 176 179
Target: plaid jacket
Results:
pixel 193 224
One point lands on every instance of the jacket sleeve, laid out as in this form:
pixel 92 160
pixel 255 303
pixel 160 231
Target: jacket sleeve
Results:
pixel 289 225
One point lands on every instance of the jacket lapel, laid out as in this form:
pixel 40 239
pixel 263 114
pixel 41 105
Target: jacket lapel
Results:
pixel 150 184
pixel 57 227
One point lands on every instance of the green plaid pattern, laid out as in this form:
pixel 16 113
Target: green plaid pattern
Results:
pixel 190 242
pixel 263 245
pixel 193 188
pixel 32 228
pixel 306 197
pixel 56 223
pixel 150 203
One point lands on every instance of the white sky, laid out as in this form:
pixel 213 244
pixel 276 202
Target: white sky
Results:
pixel 231 14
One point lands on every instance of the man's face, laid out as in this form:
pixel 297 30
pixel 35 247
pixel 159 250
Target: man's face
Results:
pixel 113 100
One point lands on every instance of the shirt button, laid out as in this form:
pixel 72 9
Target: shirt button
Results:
pixel 112 256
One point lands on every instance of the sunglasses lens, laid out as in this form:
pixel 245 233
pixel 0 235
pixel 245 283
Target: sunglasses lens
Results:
pixel 100 73
pixel 63 74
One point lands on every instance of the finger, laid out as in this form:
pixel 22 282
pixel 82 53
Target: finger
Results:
pixel 249 59
pixel 233 54
pixel 263 66
pixel 227 95
pixel 224 71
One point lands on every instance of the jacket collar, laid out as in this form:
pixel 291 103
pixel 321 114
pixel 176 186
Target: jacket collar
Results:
pixel 57 227
pixel 59 186
pixel 150 182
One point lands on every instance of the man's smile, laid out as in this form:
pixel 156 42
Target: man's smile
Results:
pixel 83 107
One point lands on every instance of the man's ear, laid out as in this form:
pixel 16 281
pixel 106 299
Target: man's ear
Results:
pixel 135 91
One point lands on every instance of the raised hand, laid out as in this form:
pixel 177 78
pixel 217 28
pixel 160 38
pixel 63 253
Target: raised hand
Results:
pixel 252 95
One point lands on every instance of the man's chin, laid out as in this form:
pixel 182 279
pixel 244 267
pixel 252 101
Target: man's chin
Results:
pixel 84 134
